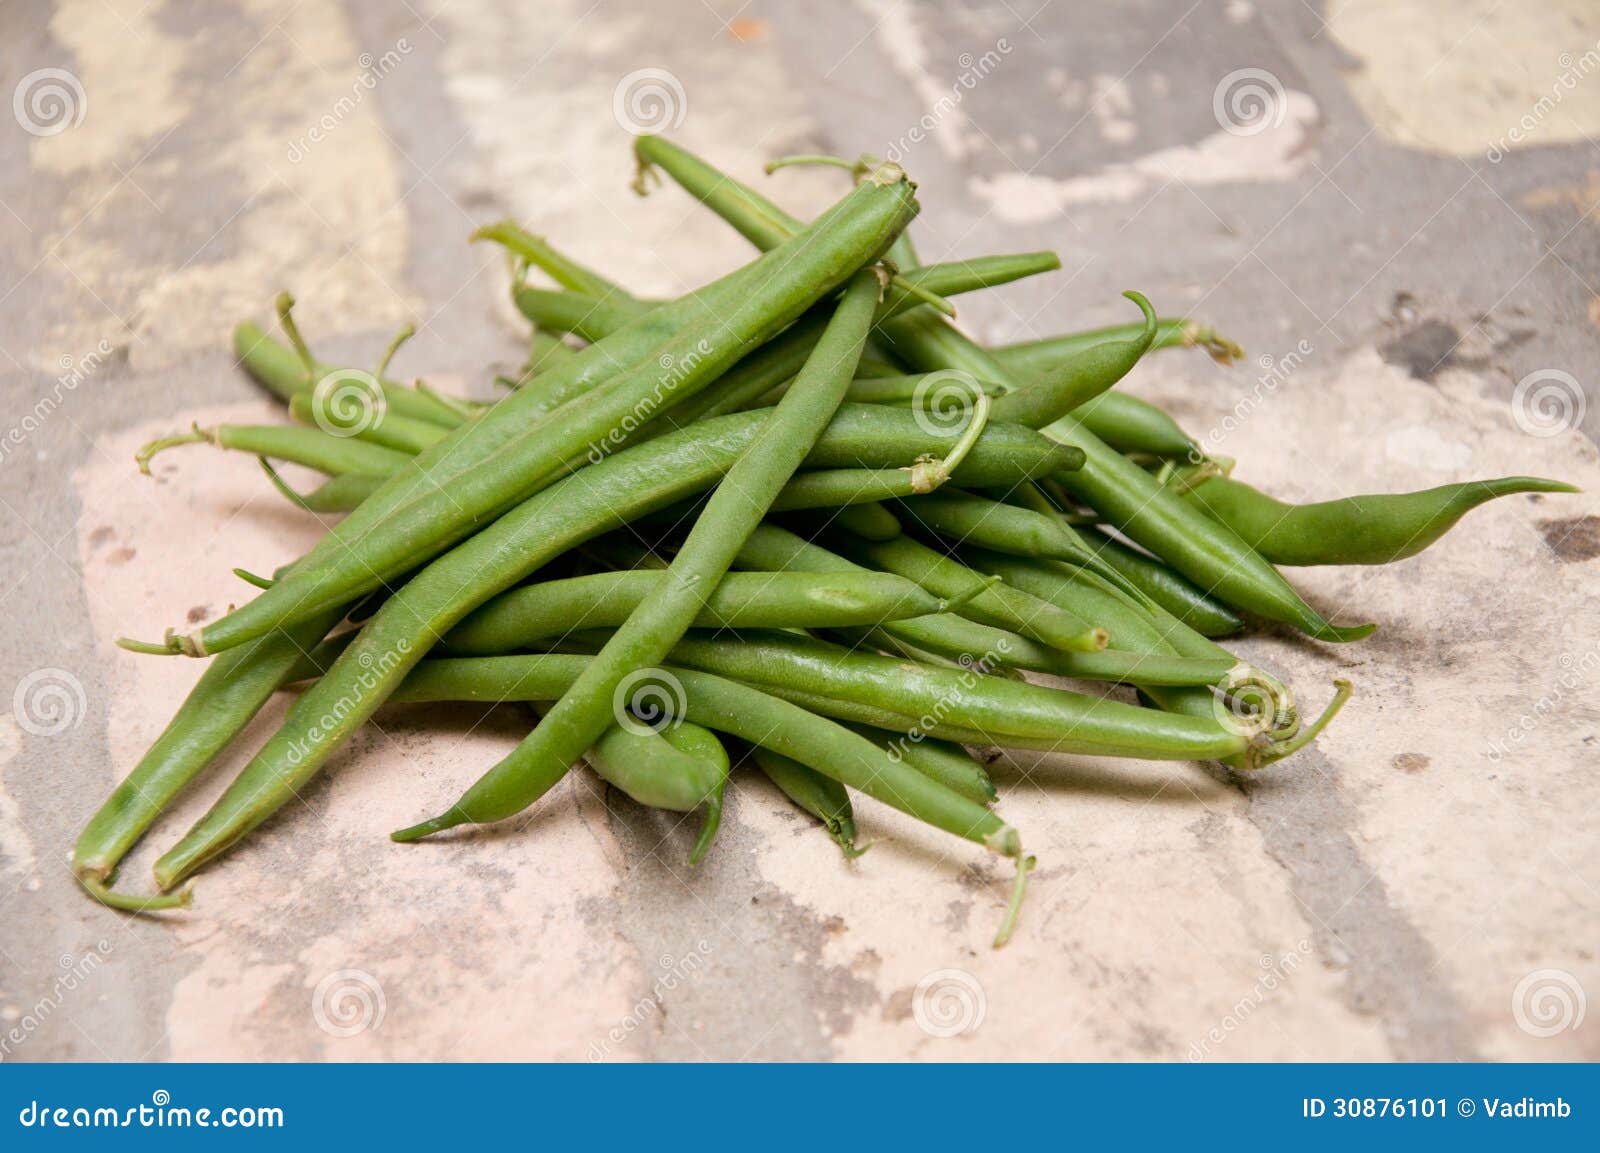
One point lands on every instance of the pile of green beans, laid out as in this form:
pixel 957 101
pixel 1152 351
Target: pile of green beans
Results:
pixel 793 526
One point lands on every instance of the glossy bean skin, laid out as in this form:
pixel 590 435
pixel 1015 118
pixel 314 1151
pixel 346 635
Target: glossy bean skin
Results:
pixel 420 516
pixel 1377 528
pixel 1135 427
pixel 681 768
pixel 947 763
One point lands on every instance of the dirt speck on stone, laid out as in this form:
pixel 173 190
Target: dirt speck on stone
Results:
pixel 1424 350
pixel 1574 539
pixel 1411 762
pixel 198 614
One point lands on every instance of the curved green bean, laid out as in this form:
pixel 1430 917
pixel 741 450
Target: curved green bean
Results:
pixel 823 797
pixel 1376 528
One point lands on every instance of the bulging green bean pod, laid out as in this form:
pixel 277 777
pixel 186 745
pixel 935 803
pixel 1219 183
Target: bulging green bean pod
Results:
pixel 823 797
pixel 1375 528
pixel 680 768
pixel 1080 378
pixel 526 617
pixel 422 515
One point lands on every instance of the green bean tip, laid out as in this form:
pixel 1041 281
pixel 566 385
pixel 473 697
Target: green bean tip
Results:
pixel 96 885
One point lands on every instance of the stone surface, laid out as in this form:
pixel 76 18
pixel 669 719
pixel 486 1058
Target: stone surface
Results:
pixel 1406 246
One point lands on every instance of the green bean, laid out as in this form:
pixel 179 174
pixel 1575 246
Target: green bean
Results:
pixel 966 520
pixel 545 351
pixel 1133 502
pixel 959 705
pixel 312 447
pixel 1135 426
pixel 605 496
pixel 389 533
pixel 949 764
pixel 403 434
pixel 227 697
pixel 735 509
pixel 287 372
pixel 337 494
pixel 524 616
pixel 560 268
pixel 679 767
pixel 1039 357
pixel 823 797
pixel 996 605
pixel 1080 378
pixel 870 522
pixel 757 716
pixel 971 644
pixel 1370 529
pixel 1178 595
